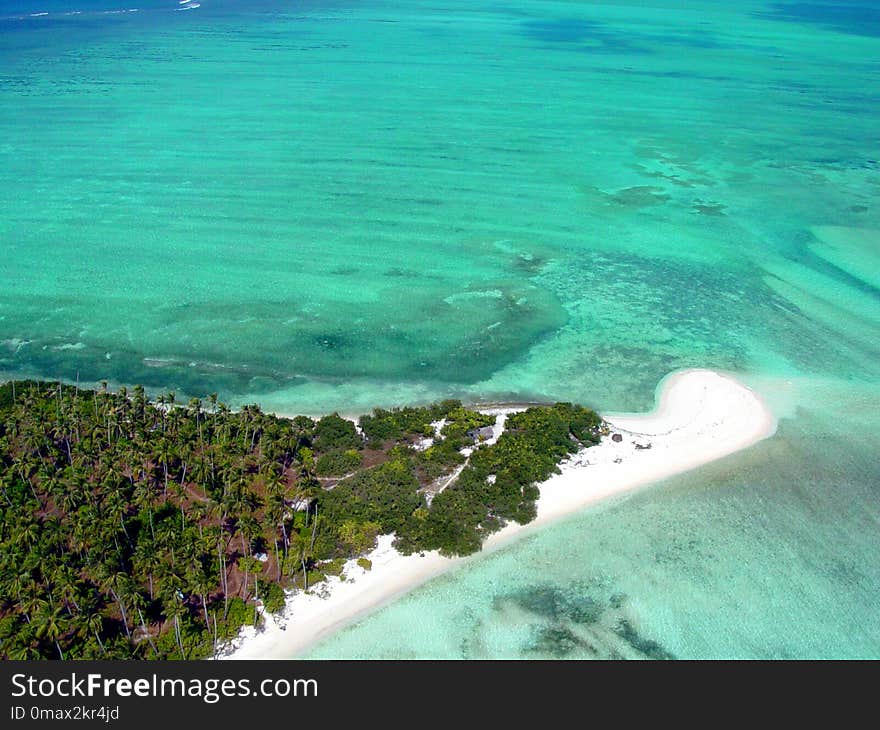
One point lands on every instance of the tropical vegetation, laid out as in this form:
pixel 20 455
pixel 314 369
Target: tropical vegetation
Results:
pixel 132 528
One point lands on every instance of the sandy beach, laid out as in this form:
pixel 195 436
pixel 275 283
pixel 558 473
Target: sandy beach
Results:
pixel 700 416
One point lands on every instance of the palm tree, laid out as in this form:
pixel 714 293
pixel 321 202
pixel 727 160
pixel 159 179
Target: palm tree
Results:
pixel 163 454
pixel 28 533
pixel 249 565
pixel 200 582
pixel 118 585
pixel 249 529
pixel 31 600
pixel 142 497
pixel 5 484
pixel 172 607
pixel 94 624
pixel 137 601
pixel 68 585
pixel 303 553
pixel 49 623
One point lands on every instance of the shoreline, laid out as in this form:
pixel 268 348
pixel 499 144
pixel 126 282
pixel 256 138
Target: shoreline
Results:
pixel 699 416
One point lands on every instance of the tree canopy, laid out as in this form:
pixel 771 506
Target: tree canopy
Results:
pixel 132 528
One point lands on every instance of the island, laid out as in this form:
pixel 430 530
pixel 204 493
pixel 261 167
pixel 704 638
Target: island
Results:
pixel 155 529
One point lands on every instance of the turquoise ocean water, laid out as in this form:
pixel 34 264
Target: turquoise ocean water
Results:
pixel 327 205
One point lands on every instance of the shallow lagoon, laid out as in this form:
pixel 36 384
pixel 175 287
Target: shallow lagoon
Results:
pixel 331 205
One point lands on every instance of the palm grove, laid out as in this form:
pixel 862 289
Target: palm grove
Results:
pixel 132 529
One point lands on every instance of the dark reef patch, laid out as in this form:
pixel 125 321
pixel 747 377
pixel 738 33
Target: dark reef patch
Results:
pixel 557 642
pixel 553 603
pixel 648 648
pixel 709 207
pixel 578 621
pixel 638 196
pixel 587 35
pixel 345 271
pixel 445 334
pixel 862 20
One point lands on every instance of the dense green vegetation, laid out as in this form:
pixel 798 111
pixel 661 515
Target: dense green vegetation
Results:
pixel 338 463
pixel 498 483
pixel 152 530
